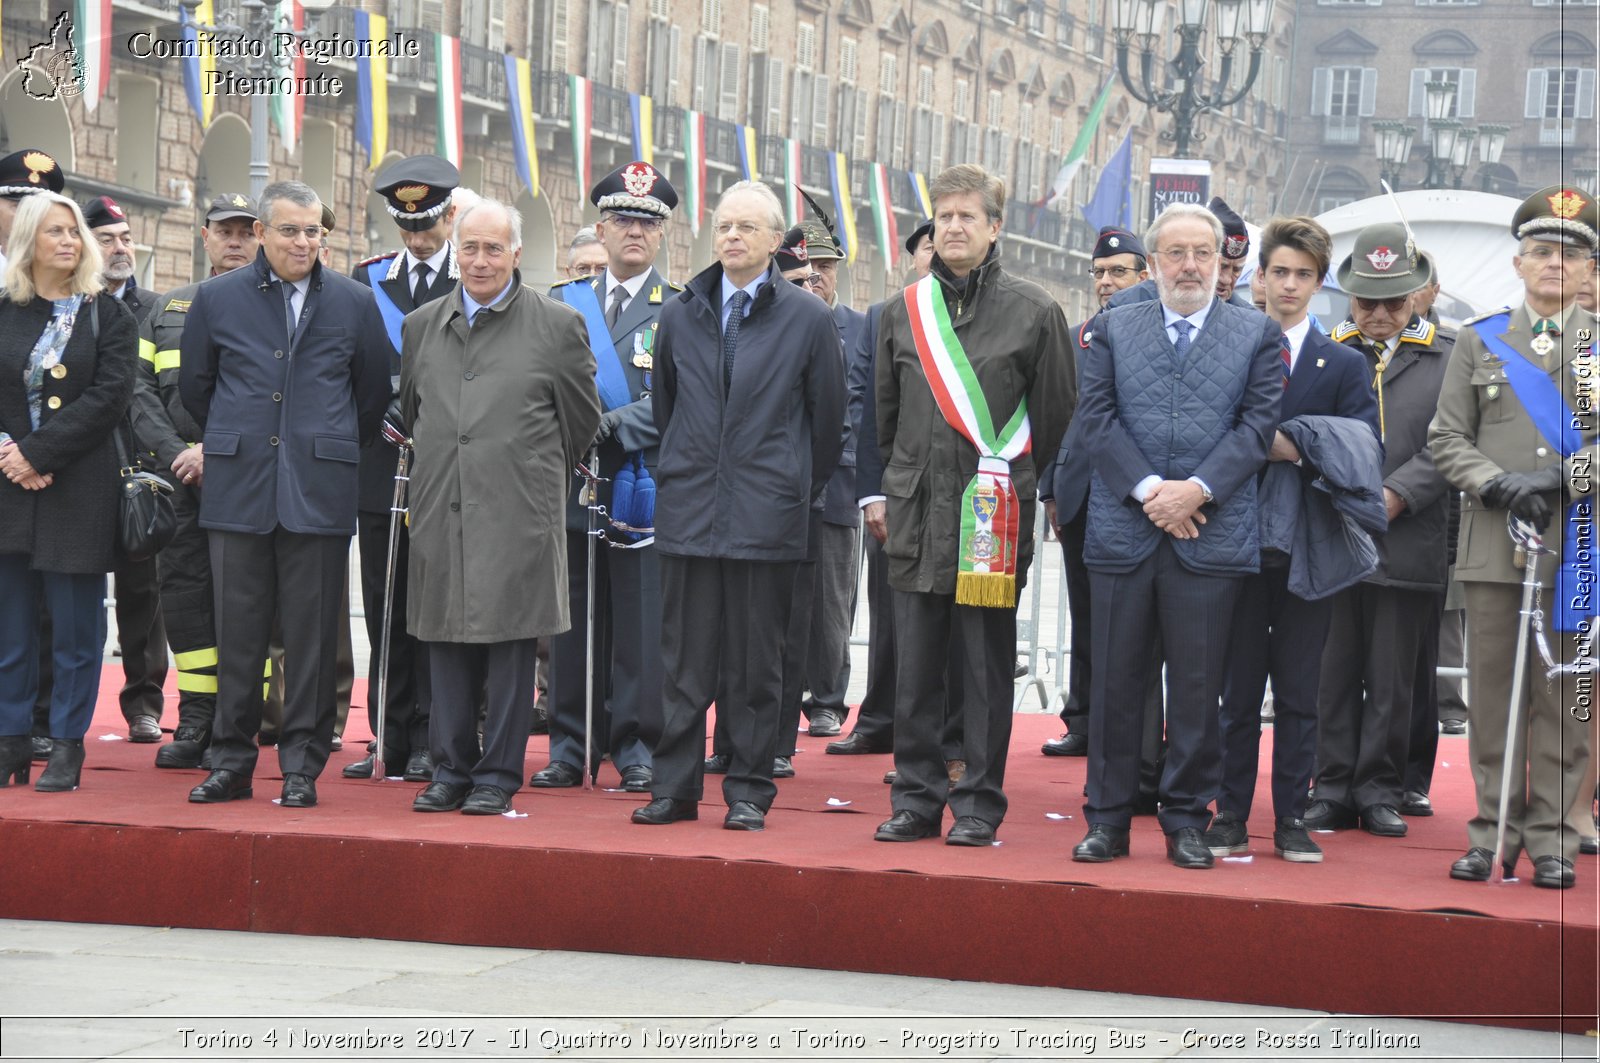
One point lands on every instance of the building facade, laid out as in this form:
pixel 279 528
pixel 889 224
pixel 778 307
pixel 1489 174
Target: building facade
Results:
pixel 914 84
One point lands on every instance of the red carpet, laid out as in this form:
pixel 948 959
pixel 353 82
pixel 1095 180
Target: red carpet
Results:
pixel 1378 928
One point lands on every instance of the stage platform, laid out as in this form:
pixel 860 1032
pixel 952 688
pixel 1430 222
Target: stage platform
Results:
pixel 1378 928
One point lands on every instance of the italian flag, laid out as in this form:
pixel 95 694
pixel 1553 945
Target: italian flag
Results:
pixel 883 218
pixel 694 166
pixel 91 24
pixel 289 109
pixel 792 200
pixel 582 97
pixel 448 50
pixel 1080 147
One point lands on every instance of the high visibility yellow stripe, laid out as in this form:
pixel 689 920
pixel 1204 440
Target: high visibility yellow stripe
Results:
pixel 194 683
pixel 147 350
pixel 193 660
pixel 164 360
pixel 266 669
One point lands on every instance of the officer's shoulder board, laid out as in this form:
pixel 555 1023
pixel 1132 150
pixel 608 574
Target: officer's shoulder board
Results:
pixel 570 280
pixel 1487 316
pixel 386 256
pixel 1343 331
pixel 1420 331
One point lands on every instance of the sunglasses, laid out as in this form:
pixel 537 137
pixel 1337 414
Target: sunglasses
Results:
pixel 1393 306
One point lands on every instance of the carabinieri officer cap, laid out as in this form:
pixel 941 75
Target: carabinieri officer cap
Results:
pixel 1560 213
pixel 29 170
pixel 635 190
pixel 417 190
pixel 102 211
pixel 1235 237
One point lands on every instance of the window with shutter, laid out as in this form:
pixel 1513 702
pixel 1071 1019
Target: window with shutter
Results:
pixel 861 124
pixel 924 86
pixel 1348 97
pixel 728 82
pixel 560 61
pixel 702 95
pixel 1465 82
pixel 962 103
pixel 661 9
pixel 805 46
pixel 936 156
pixel 1058 135
pixel 711 17
pixel 821 107
pixel 997 109
pixel 760 27
pixel 800 103
pixel 847 60
pixel 600 25
pixel 1560 97
pixel 885 128
pixel 619 48
pixel 888 73
pixel 899 152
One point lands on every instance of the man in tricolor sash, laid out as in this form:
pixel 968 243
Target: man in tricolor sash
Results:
pixel 621 307
pixel 975 387
pixel 419 194
pixel 1180 405
pixel 1515 431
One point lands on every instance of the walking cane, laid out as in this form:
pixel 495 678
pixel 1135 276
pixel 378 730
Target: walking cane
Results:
pixel 592 508
pixel 1529 544
pixel 397 511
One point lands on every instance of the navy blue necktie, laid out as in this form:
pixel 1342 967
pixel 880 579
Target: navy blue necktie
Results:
pixel 1182 346
pixel 288 304
pixel 730 336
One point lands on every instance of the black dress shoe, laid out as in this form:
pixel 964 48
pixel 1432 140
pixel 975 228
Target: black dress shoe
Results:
pixel 906 826
pixel 890 776
pixel 1325 815
pixel 742 815
pixel 440 797
pixel 144 729
pixel 221 785
pixel 419 766
pixel 486 801
pixel 1589 846
pixel 636 778
pixel 1474 866
pixel 558 775
pixel 1103 843
pixel 1186 847
pixel 1415 803
pixel 856 743
pixel 1553 873
pixel 1383 821
pixel 361 769
pixel 186 749
pixel 1068 745
pixel 825 724
pixel 299 791
pixel 41 747
pixel 664 810
pixel 782 768
pixel 717 764
pixel 969 830
pixel 1453 727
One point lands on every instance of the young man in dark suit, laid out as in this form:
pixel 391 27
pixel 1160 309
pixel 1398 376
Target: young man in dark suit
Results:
pixel 1275 631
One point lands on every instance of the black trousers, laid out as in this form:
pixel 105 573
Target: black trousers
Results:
pixel 1192 613
pixel 796 645
pixel 627 657
pixel 300 578
pixel 1279 634
pixel 408 697
pixel 1075 712
pixel 723 624
pixel 187 600
pixel 141 637
pixel 1423 743
pixel 503 673
pixel 981 700
pixel 1364 708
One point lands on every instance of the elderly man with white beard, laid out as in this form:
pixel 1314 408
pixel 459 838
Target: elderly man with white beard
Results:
pixel 1179 403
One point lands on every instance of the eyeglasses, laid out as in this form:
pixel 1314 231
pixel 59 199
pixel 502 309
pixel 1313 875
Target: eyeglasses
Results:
pixel 312 233
pixel 744 228
pixel 1393 306
pixel 1545 252
pixel 624 222
pixel 810 280
pixel 1176 255
pixel 1117 272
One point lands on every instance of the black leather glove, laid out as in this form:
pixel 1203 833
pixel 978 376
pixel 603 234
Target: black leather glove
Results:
pixel 608 426
pixel 1523 494
pixel 394 424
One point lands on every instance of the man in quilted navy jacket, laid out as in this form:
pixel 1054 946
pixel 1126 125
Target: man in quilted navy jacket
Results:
pixel 1180 403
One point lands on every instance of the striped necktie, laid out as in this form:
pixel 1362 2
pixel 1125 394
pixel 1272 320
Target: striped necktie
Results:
pixel 1288 360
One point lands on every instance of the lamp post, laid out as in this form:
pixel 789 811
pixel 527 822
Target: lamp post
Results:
pixel 1393 143
pixel 1491 142
pixel 1188 100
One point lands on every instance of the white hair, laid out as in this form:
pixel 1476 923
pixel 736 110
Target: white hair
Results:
pixel 512 215
pixel 768 197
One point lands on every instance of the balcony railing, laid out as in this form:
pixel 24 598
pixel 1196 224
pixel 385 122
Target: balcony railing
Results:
pixel 1341 129
pixel 1036 223
pixel 483 73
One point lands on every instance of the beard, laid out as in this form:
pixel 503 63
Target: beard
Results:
pixel 1188 301
pixel 118 269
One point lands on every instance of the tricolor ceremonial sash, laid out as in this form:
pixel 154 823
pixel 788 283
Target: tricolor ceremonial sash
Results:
pixel 608 375
pixel 986 559
pixel 1577 593
pixel 392 315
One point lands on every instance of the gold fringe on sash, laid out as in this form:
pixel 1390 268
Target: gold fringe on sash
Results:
pixel 994 590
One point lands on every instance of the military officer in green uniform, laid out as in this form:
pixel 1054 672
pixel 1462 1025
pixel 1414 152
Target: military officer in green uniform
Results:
pixel 1515 431
pixel 621 306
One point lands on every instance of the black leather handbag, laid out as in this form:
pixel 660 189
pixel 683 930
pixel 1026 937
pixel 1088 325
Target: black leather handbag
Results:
pixel 146 521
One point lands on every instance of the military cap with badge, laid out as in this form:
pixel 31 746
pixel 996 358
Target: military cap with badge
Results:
pixel 230 205
pixel 102 211
pixel 1235 236
pixel 635 190
pixel 416 190
pixel 30 170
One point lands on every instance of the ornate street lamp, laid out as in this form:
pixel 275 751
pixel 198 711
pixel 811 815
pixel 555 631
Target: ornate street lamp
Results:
pixel 1491 142
pixel 1188 99
pixel 1393 143
pixel 1462 155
